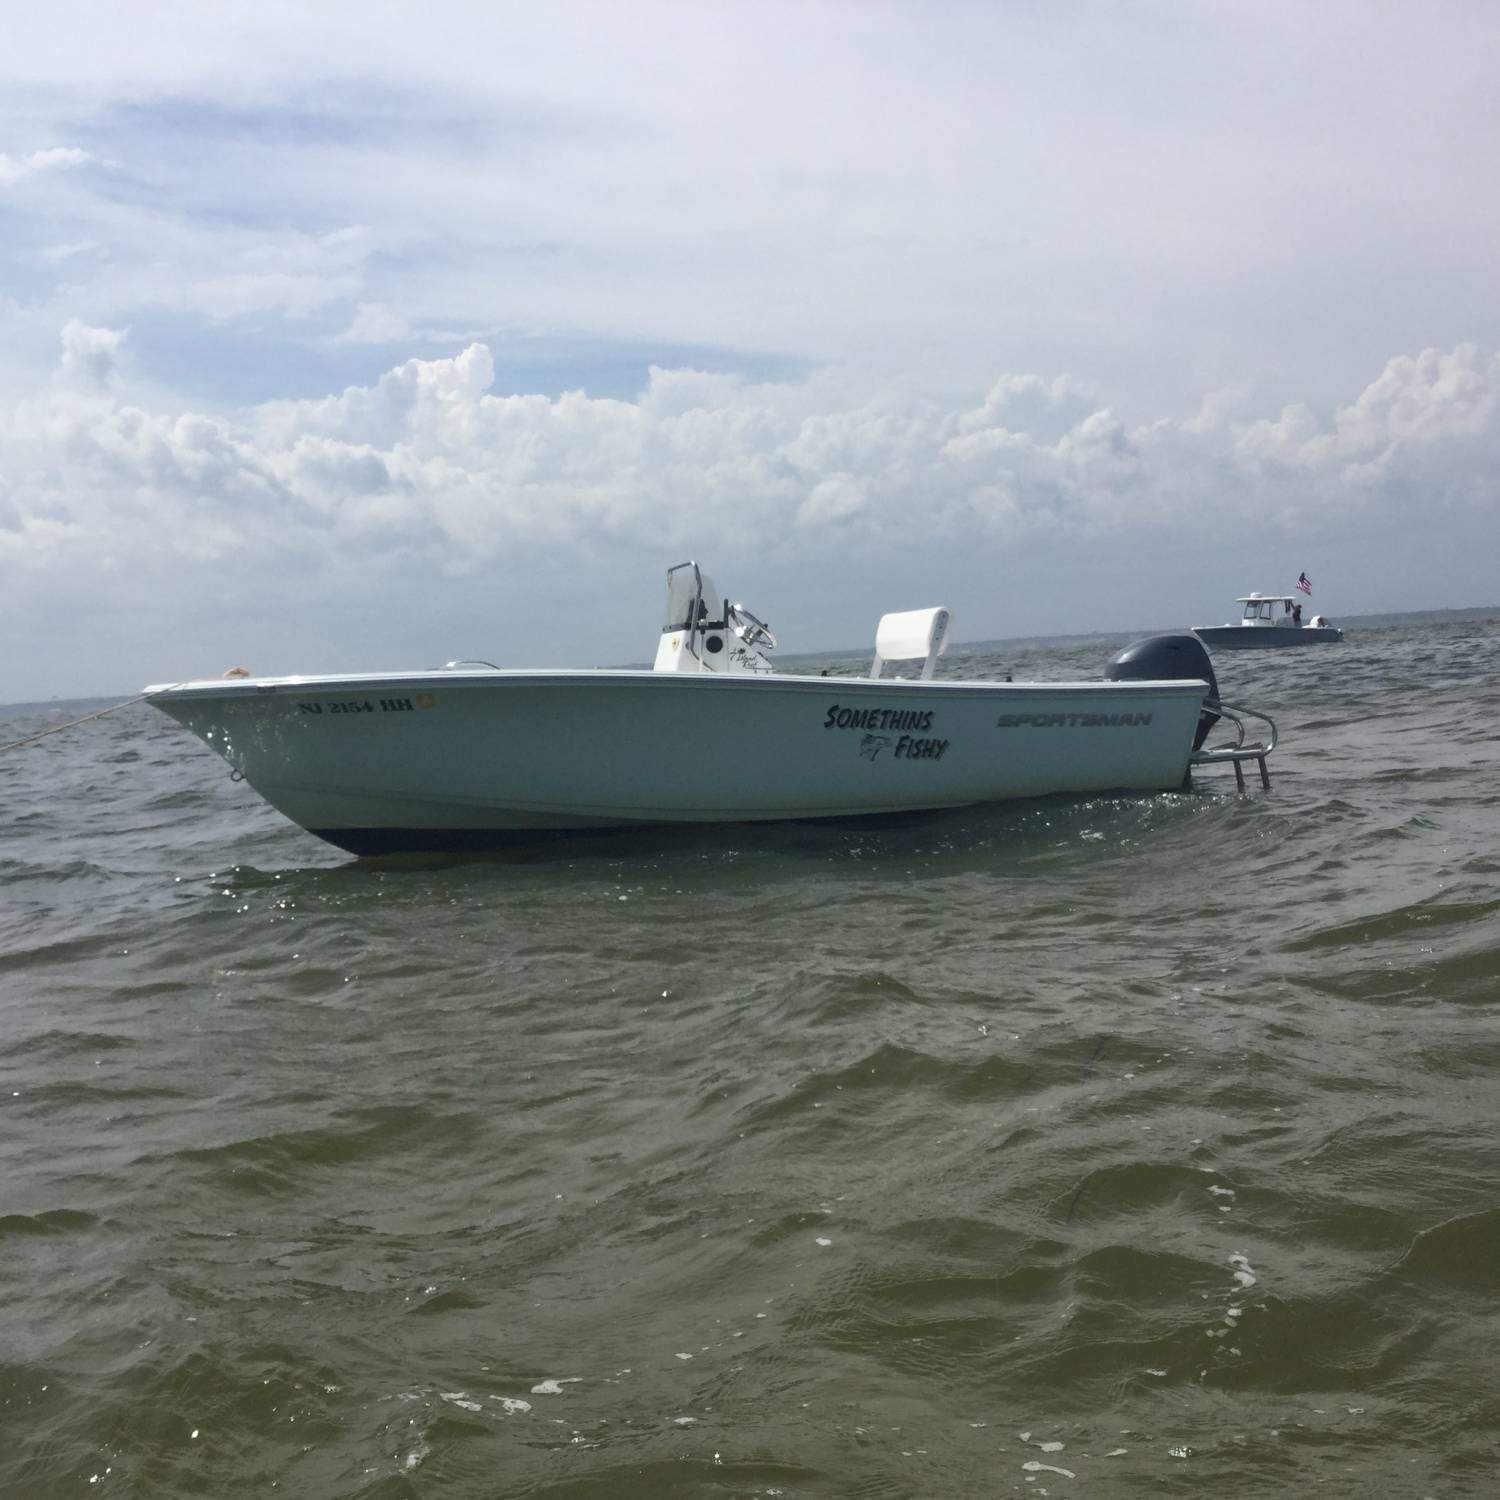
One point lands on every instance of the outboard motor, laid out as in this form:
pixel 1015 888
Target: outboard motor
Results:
pixel 1170 658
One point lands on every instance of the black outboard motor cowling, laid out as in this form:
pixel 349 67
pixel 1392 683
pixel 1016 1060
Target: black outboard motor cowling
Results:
pixel 1169 658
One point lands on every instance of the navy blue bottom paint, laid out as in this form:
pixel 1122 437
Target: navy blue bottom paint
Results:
pixel 369 842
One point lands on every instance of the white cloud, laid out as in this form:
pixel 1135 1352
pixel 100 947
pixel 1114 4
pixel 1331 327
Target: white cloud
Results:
pixel 930 191
pixel 837 499
pixel 10 513
pixel 58 254
pixel 1426 431
pixel 428 459
pixel 426 474
pixel 292 273
pixel 15 169
pixel 375 323
pixel 88 354
pixel 901 200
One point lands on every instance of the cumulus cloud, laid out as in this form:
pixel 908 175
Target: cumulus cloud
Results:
pixel 427 462
pixel 89 354
pixel 1427 428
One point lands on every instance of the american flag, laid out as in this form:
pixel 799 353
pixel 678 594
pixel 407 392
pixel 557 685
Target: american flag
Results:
pixel 1304 583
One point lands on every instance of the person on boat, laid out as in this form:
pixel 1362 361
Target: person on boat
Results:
pixel 1296 614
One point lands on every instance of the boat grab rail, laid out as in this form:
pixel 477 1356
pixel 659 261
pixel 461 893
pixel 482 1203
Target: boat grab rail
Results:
pixel 1233 752
pixel 469 661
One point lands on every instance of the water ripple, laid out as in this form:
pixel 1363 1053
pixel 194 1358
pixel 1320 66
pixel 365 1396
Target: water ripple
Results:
pixel 1147 1140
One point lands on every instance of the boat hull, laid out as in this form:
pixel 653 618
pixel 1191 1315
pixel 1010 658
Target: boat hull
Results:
pixel 450 760
pixel 1265 637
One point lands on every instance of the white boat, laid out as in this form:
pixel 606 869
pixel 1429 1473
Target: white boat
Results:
pixel 472 755
pixel 1269 620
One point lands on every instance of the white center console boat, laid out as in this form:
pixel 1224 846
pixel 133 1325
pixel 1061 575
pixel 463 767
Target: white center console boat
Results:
pixel 1269 621
pixel 474 756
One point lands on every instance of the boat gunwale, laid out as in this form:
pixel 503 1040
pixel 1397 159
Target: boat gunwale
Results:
pixel 429 681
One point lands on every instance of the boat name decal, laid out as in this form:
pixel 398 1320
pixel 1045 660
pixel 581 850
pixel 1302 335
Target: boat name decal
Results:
pixel 907 747
pixel 1072 721
pixel 840 717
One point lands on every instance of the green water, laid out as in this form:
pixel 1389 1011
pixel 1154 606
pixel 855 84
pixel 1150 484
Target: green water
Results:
pixel 1109 1147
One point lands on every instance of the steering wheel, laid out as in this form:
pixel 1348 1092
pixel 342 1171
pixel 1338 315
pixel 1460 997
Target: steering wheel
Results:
pixel 752 632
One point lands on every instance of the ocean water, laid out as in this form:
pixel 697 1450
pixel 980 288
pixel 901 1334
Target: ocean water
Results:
pixel 1119 1146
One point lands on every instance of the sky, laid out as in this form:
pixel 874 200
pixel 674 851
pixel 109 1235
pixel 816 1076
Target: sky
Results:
pixel 345 337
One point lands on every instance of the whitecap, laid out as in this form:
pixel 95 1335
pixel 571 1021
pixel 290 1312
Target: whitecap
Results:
pixel 1244 1276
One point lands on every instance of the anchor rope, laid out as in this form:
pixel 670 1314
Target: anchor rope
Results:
pixel 31 739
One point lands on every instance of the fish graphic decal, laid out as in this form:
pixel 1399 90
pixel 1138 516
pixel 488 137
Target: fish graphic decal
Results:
pixel 873 744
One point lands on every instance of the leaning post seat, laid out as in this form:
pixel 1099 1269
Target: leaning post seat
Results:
pixel 909 635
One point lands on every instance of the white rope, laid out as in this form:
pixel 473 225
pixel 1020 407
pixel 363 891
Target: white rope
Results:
pixel 31 739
